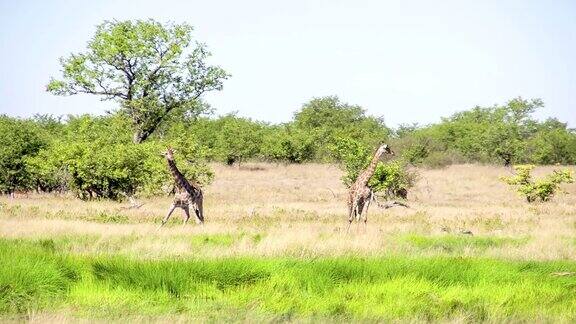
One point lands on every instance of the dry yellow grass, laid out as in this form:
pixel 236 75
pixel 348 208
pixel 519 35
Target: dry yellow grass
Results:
pixel 299 210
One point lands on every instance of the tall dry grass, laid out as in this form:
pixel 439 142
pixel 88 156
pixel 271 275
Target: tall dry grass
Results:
pixel 299 210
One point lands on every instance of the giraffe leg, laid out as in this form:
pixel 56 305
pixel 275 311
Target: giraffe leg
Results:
pixel 365 215
pixel 199 210
pixel 170 211
pixel 360 210
pixel 350 215
pixel 353 214
pixel 187 217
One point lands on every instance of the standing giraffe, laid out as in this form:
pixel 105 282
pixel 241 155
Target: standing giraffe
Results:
pixel 360 194
pixel 187 194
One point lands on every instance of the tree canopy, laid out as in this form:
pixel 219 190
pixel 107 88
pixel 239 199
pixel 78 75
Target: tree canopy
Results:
pixel 506 134
pixel 95 157
pixel 151 69
pixel 328 120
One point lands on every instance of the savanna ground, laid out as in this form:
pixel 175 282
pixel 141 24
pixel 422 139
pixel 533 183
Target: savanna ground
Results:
pixel 274 248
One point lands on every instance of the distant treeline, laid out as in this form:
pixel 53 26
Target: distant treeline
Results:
pixel 96 157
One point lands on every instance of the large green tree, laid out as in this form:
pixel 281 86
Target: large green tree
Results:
pixel 151 69
pixel 327 120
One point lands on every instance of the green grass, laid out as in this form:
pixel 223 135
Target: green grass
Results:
pixel 108 217
pixel 225 240
pixel 35 276
pixel 458 243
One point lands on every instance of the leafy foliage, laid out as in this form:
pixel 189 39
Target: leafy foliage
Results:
pixel 552 143
pixel 327 120
pixel 230 139
pixel 504 134
pixel 392 179
pixel 288 144
pixel 95 158
pixel 237 139
pixel 191 156
pixel 151 69
pixel 541 189
pixel 353 157
pixel 19 140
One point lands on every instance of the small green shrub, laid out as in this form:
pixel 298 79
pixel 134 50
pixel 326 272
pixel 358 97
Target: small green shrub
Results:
pixel 231 139
pixel 392 179
pixel 353 157
pixel 540 189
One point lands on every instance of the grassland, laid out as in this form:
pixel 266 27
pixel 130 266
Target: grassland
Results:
pixel 274 248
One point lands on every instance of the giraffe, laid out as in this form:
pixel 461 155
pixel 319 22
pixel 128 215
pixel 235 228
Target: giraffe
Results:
pixel 360 195
pixel 187 194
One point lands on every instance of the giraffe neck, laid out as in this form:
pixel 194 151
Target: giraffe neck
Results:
pixel 181 182
pixel 367 174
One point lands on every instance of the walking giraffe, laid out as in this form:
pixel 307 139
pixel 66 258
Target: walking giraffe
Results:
pixel 360 195
pixel 187 194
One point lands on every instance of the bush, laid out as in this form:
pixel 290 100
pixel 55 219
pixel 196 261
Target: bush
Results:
pixel 95 158
pixel 353 157
pixel 191 155
pixel 229 138
pixel 287 144
pixel 102 171
pixel 393 179
pixel 552 146
pixel 48 173
pixel 19 140
pixel 326 120
pixel 541 189
pixel 505 134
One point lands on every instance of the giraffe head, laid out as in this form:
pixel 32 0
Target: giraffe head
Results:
pixel 384 149
pixel 169 154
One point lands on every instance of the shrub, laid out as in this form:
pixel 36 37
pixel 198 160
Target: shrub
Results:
pixel 327 119
pixel 19 140
pixel 393 179
pixel 48 174
pixel 94 170
pixel 540 189
pixel 551 146
pixel 506 134
pixel 352 157
pixel 95 158
pixel 230 139
pixel 287 144
pixel 191 153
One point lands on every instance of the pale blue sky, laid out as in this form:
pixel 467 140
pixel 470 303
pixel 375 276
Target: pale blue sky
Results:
pixel 409 61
